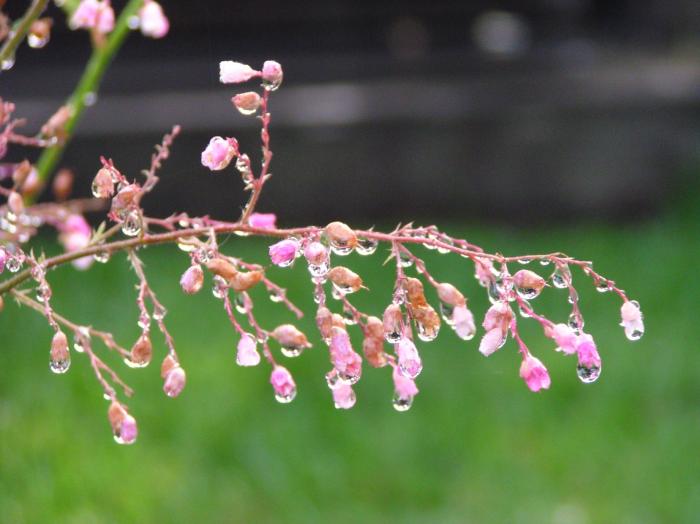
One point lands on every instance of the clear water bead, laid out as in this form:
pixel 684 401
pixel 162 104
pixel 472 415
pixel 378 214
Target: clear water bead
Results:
pixel 219 287
pixel 286 399
pixel 59 366
pixel 132 224
pixel 37 42
pixel 320 270
pixel 366 246
pixel 291 351
pixel 446 311
pixel 576 323
pixel 101 256
pixel 588 374
pixel 402 403
pixel 427 334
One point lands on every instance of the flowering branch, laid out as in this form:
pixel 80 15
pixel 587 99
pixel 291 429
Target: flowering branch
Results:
pixel 19 31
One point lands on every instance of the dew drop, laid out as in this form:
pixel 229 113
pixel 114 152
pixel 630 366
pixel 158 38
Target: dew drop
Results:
pixel 101 256
pixel 286 399
pixel 291 351
pixel 561 277
pixel 132 224
pixel 37 42
pixel 575 323
pixel 602 286
pixel 446 311
pixel 241 304
pixel 7 64
pixel 544 262
pixel 527 293
pixel 90 99
pixel 133 22
pixel 524 261
pixel 425 333
pixel 59 366
pixel 348 318
pixel 393 337
pixel 333 379
pixel 588 374
pixel 405 260
pixel 402 403
pixel 219 287
pixel 320 270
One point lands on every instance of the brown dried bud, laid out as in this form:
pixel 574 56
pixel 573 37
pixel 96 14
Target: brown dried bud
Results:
pixel 414 292
pixel 345 280
pixel 324 322
pixel 373 348
pixel 450 295
pixel 63 184
pixel 289 336
pixel 222 268
pixel 341 236
pixel 244 281
pixel 338 321
pixel 125 198
pixel 59 347
pixel 247 103
pixel 427 316
pixel 103 184
pixel 116 415
pixel 15 203
pixel 56 125
pixel 526 279
pixel 141 352
pixel 40 31
pixel 169 363
pixel 375 328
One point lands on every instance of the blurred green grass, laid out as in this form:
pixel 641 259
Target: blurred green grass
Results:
pixel 476 447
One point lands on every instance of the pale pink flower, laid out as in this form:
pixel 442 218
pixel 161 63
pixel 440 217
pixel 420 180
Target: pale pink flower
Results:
pixel 272 74
pixel 247 354
pixel 75 235
pixel 565 337
pixel 404 390
pixel 218 153
pixel 632 320
pixel 463 322
pixel 410 363
pixel 535 375
pixel 93 14
pixel 284 252
pixel 105 18
pixel 344 397
pixel 587 352
pixel 283 384
pixel 235 72
pixel 192 279
pixel 3 259
pixel 345 360
pixel 483 268
pixel 316 253
pixel 174 382
pixel 263 220
pixel 128 430
pixel 152 20
pixel 492 340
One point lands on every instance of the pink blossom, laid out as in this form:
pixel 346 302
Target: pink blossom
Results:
pixel 3 259
pixel 174 382
pixel 75 235
pixel 272 74
pixel 587 352
pixel 565 337
pixel 463 322
pixel 93 14
pixel 284 252
pixel 105 19
pixel 632 320
pixel 345 360
pixel 247 354
pixel 263 220
pixel 153 21
pixel 498 315
pixel 483 271
pixel 234 72
pixel 404 387
pixel 492 340
pixel 535 375
pixel 218 153
pixel 344 397
pixel 128 430
pixel 316 253
pixel 410 363
pixel 283 384
pixel 192 279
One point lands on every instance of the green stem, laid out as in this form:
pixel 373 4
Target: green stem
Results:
pixel 88 86
pixel 20 29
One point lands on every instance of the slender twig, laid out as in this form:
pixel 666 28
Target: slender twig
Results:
pixel 20 29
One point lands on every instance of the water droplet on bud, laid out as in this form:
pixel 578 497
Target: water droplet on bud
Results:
pixel 320 270
pixel 425 333
pixel 7 64
pixel 366 246
pixel 405 260
pixel 36 41
pixel 402 403
pixel 602 287
pixel 561 277
pixel 59 366
pixel 286 399
pixel 588 374
pixel 102 257
pixel 132 224
pixel 219 287
pixel 576 323
pixel 446 311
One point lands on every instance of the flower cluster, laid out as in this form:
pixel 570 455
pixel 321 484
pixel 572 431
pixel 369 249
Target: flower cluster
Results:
pixel 393 337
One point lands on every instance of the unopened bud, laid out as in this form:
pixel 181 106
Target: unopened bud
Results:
pixel 222 268
pixel 246 103
pixel 63 184
pixel 59 355
pixel 290 338
pixel 414 292
pixel 141 352
pixel 450 295
pixel 174 382
pixel 56 125
pixel 103 184
pixel 324 322
pixel 123 425
pixel 192 279
pixel 272 75
pixel 341 237
pixel 345 280
pixel 393 323
pixel 15 203
pixel 244 281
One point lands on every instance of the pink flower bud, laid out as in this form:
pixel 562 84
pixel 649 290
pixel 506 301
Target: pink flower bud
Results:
pixel 565 337
pixel 85 15
pixel 263 220
pixel 483 268
pixel 218 153
pixel 75 235
pixel 535 375
pixel 123 425
pixel 498 315
pixel 284 252
pixel 59 354
pixel 272 75
pixel 152 20
pixel 283 384
pixel 589 363
pixel 344 359
pixel 344 397
pixel 528 283
pixel 234 72
pixel 174 382
pixel 247 354
pixel 292 340
pixel 192 279
pixel 450 295
pixel 410 363
pixel 632 320
pixel 3 258
pixel 16 203
pixel 463 322
pixel 103 184
pixel 105 18
pixel 246 103
pixel 316 253
pixel 404 390
pixel 493 340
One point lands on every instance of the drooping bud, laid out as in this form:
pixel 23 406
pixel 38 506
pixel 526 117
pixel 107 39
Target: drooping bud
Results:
pixel 463 322
pixel 63 184
pixel 246 352
pixel 316 253
pixel 564 336
pixel 375 328
pixel 123 425
pixel 344 280
pixel 292 341
pixel 272 75
pixel 59 356
pixel 493 340
pixel 218 153
pixel 345 360
pixel 223 268
pixel 15 203
pixel 414 292
pixel 152 20
pixel 427 322
pixel 284 252
pixel 246 103
pixel 589 363
pixel 169 363
pixel 324 322
pixel 393 323
pixel 263 220
pixel 528 284
pixel 231 72
pixel 141 353
pixel 103 184
pixel 55 126
pixel 373 349
pixel 450 295
pixel 283 384
pixel 341 238
pixel 39 33
pixel 125 199
pixel 632 320
pixel 404 391
pixel 535 375
pixel 243 281
pixel 192 279
pixel 410 363
pixel 174 382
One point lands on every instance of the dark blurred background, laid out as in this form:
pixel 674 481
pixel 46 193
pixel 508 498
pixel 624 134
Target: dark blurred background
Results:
pixel 528 111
